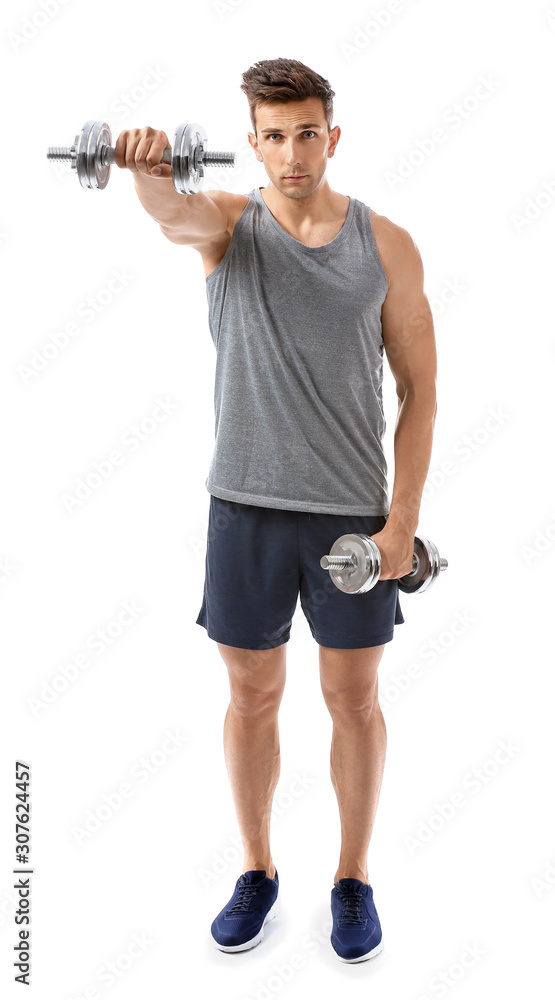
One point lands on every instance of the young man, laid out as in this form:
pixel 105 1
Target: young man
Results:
pixel 306 288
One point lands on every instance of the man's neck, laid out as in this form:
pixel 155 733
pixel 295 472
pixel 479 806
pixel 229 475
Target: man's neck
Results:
pixel 323 205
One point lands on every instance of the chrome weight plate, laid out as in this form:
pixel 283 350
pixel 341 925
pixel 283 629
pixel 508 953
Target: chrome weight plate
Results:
pixel 187 165
pixel 91 171
pixel 365 569
pixel 426 567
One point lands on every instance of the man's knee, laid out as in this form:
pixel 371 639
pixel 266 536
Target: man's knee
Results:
pixel 349 681
pixel 256 678
pixel 352 704
pixel 251 702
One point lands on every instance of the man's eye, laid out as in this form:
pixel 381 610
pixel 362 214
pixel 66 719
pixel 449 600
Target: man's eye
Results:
pixel 308 132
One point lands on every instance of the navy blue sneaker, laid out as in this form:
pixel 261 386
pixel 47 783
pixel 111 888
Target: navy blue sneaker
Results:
pixel 240 925
pixel 356 933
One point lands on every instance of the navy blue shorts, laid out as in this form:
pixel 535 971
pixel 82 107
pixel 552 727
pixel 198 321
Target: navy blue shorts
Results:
pixel 257 561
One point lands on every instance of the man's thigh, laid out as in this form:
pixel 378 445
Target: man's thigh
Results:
pixel 349 677
pixel 255 674
pixel 251 575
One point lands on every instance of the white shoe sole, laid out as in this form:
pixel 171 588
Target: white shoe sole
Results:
pixel 272 912
pixel 361 958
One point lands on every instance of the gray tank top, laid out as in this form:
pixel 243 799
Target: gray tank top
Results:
pixel 299 417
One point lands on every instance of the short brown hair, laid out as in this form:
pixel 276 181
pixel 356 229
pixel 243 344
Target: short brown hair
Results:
pixel 285 80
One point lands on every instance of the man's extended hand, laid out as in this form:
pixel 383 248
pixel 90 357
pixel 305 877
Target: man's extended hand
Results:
pixel 396 549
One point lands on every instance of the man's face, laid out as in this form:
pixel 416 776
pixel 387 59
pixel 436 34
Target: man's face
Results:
pixel 293 139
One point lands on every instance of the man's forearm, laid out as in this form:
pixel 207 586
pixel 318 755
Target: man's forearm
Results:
pixel 192 214
pixel 412 449
pixel 160 199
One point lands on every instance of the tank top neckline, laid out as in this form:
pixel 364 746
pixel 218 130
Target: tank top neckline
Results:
pixel 342 234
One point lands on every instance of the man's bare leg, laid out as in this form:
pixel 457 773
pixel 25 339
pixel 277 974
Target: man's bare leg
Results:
pixel 349 679
pixel 251 744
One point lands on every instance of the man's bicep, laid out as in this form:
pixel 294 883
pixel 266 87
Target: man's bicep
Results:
pixel 407 322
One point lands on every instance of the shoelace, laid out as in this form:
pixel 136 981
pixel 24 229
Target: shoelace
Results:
pixel 243 901
pixel 350 898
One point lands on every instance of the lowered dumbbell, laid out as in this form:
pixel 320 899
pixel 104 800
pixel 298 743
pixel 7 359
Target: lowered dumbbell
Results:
pixel 92 154
pixel 355 564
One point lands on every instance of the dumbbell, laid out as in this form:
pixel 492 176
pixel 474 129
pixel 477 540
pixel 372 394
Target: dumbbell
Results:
pixel 355 564
pixel 92 154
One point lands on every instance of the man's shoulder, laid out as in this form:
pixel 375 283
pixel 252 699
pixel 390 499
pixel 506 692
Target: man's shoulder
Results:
pixel 390 231
pixel 230 204
pixel 396 246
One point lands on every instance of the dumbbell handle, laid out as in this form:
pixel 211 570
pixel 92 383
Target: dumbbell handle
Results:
pixel 344 562
pixel 108 155
pixel 208 157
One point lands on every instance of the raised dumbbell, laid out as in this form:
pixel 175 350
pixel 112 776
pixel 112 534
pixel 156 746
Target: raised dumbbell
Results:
pixel 355 564
pixel 92 154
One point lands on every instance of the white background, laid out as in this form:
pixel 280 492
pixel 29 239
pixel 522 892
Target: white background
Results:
pixel 479 207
